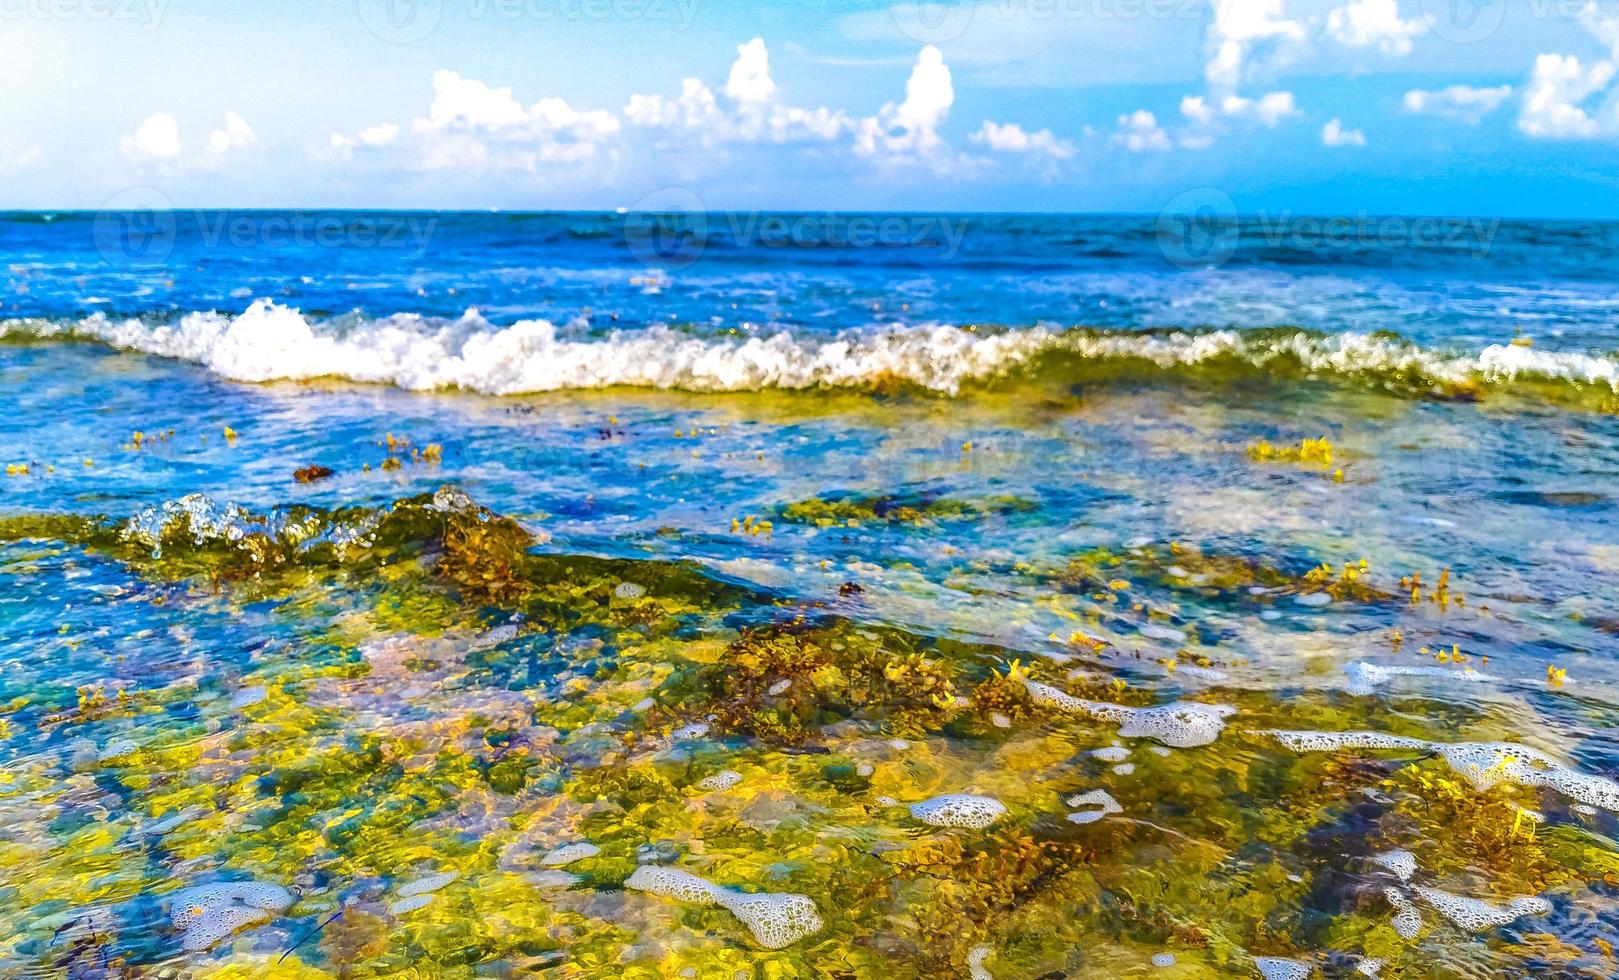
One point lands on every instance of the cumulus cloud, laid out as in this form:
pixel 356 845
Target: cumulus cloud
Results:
pixel 1462 103
pixel 236 135
pixel 1012 138
pixel 746 110
pixel 155 140
pixel 750 75
pixel 1243 30
pixel 1244 38
pixel 910 128
pixel 1559 97
pixel 473 126
pixel 1365 23
pixel 1554 96
pixel 1268 110
pixel 1334 134
pixel 1139 132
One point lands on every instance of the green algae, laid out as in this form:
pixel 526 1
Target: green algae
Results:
pixel 853 510
pixel 462 702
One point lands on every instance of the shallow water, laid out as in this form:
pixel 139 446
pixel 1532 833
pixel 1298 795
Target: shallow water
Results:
pixel 512 620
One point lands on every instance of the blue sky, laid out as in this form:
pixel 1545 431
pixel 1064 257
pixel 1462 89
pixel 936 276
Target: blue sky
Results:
pixel 1383 106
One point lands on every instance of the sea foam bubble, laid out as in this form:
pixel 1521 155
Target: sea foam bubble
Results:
pixel 776 920
pixel 959 810
pixel 1181 724
pixel 207 914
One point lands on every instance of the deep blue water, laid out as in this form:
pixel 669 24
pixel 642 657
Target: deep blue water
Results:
pixel 1433 280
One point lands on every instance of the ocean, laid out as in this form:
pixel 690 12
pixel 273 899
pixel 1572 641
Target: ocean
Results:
pixel 666 594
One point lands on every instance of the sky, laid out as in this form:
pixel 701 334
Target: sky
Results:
pixel 1476 107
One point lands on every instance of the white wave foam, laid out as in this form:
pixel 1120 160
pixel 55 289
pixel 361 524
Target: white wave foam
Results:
pixel 270 342
pixel 1483 764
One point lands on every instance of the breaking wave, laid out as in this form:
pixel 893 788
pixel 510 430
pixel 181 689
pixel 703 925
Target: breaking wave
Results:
pixel 270 342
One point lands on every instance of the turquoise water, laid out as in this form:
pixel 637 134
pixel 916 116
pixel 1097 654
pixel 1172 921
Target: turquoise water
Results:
pixel 613 509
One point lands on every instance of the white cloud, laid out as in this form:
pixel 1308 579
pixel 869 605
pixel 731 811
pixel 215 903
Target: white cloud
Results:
pixel 750 76
pixel 236 135
pixel 472 125
pixel 1244 38
pixel 1268 110
pixel 1197 109
pixel 1462 103
pixel 470 103
pixel 1364 23
pixel 695 108
pixel 379 135
pixel 1558 97
pixel 1242 30
pixel 911 127
pixel 1334 134
pixel 156 140
pixel 1012 138
pixel 1139 131
pixel 749 111
pixel 1553 99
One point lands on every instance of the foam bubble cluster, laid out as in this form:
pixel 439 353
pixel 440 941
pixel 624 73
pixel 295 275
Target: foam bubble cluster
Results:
pixel 428 884
pixel 1402 863
pixel 569 853
pixel 1367 678
pixel 1182 724
pixel 1304 741
pixel 1483 764
pixel 1099 798
pixel 207 914
pixel 1277 968
pixel 722 780
pixel 1406 921
pixel 1475 915
pixel 776 920
pixel 959 810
